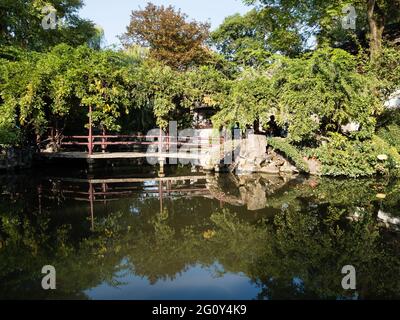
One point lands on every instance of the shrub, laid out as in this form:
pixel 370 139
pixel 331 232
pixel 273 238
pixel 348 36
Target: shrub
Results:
pixel 355 158
pixel 391 134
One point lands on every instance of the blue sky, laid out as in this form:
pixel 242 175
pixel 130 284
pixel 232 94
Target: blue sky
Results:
pixel 114 15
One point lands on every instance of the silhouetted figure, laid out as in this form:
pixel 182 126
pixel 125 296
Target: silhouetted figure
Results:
pixel 256 126
pixel 273 128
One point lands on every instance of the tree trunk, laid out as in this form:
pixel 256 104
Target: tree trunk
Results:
pixel 376 21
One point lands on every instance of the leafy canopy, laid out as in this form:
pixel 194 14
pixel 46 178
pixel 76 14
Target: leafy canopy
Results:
pixel 171 38
pixel 249 39
pixel 21 24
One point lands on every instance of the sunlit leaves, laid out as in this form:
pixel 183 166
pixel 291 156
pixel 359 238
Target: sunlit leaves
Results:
pixel 171 39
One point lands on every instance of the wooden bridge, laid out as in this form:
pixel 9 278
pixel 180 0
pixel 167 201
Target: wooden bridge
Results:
pixel 160 146
pixel 138 146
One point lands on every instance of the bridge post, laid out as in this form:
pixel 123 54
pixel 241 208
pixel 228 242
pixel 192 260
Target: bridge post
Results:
pixel 90 142
pixel 161 172
pixel 103 140
pixel 160 141
pixel 161 160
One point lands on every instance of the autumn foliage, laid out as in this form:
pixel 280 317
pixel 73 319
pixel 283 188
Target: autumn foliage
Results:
pixel 171 38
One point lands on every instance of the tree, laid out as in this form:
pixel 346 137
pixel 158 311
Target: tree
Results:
pixel 313 95
pixel 324 91
pixel 21 24
pixel 43 93
pixel 379 13
pixel 317 16
pixel 170 37
pixel 54 90
pixel 247 99
pixel 249 39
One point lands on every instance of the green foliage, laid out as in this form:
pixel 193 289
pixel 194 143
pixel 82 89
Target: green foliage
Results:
pixel 45 88
pixel 391 134
pixel 343 157
pixel 59 86
pixel 322 19
pixel 249 39
pixel 55 89
pixel 247 98
pixel 312 250
pixel 389 127
pixel 21 24
pixel 387 70
pixel 312 95
pixel 259 73
pixel 9 136
pixel 280 144
pixel 320 93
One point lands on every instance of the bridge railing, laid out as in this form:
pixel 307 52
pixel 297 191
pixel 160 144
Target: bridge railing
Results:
pixel 163 143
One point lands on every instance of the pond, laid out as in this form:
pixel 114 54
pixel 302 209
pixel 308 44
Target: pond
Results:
pixel 125 233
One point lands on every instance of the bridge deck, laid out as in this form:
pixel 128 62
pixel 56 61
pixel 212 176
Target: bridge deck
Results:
pixel 121 155
pixel 133 180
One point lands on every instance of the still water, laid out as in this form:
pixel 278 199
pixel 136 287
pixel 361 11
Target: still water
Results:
pixel 127 234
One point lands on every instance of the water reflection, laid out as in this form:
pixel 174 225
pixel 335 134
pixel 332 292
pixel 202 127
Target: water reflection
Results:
pixel 198 236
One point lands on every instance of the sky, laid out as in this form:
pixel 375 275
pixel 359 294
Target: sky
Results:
pixel 114 16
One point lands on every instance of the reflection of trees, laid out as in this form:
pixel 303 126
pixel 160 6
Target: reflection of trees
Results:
pixel 347 194
pixel 29 242
pixel 313 240
pixel 165 251
pixel 309 245
pixel 297 254
pixel 314 250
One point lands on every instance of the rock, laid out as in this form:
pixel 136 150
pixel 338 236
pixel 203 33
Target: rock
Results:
pixel 252 153
pixel 248 168
pixel 279 162
pixel 254 156
pixel 271 169
pixel 288 168
pixel 394 101
pixel 259 161
pixel 250 190
pixel 253 147
pixel 315 118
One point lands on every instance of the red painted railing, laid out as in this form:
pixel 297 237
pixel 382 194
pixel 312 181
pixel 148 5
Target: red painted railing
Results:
pixel 163 143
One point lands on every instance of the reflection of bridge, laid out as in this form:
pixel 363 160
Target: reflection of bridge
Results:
pixel 114 189
pixel 251 191
pixel 105 190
